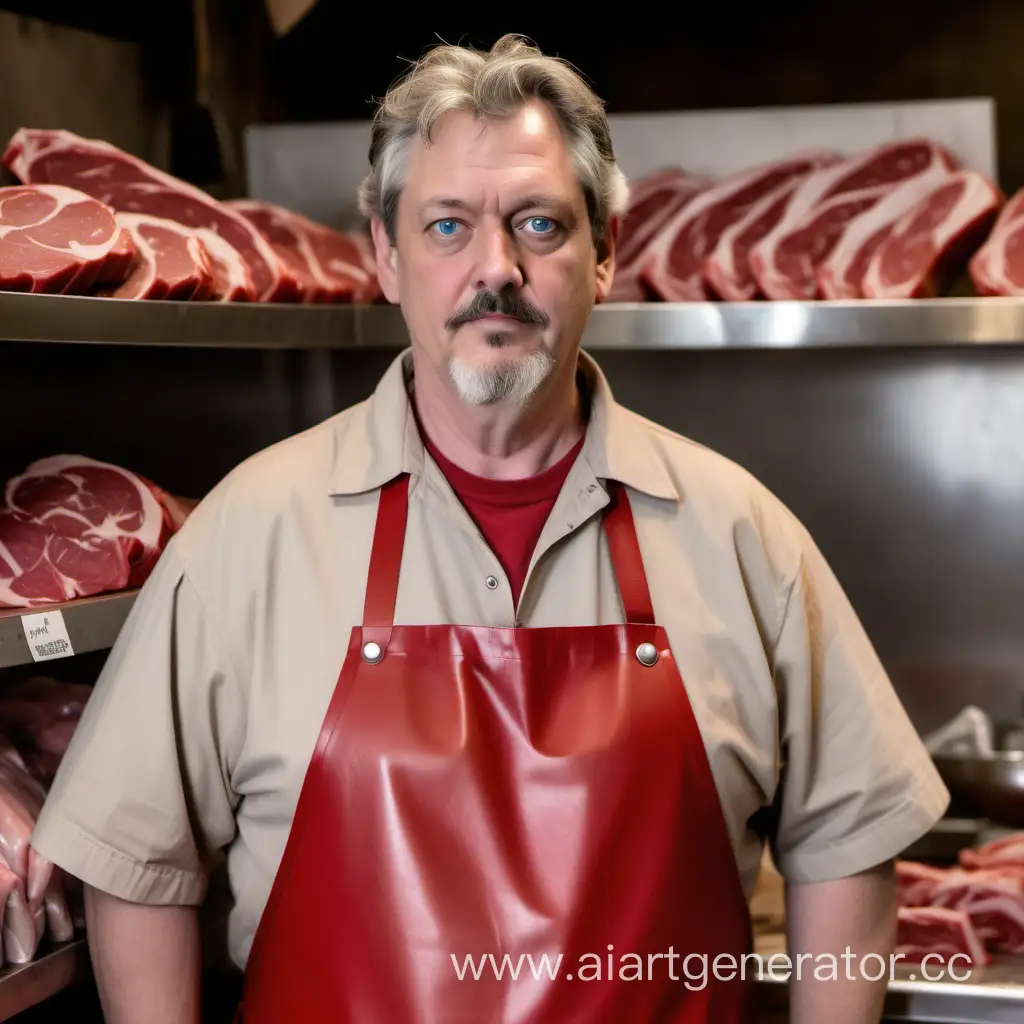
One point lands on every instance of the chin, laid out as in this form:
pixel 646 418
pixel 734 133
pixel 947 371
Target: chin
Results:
pixel 514 378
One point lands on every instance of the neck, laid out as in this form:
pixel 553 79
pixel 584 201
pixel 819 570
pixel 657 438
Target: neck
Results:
pixel 502 442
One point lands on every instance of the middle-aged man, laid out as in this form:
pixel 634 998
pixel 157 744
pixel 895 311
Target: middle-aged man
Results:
pixel 488 664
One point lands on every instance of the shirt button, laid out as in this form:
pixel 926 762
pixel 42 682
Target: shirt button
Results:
pixel 492 583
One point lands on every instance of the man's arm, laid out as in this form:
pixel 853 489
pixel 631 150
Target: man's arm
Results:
pixel 147 960
pixel 846 920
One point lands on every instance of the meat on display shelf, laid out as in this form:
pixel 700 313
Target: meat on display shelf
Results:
pixel 91 624
pixel 54 969
pixel 691 325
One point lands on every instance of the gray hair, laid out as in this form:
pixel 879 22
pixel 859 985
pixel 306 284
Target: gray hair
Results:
pixel 494 84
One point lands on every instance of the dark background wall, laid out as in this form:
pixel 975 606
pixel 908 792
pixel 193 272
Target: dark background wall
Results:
pixel 693 56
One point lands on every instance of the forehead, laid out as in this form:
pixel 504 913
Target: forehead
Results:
pixel 470 159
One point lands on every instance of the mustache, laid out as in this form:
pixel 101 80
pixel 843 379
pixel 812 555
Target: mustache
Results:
pixel 510 304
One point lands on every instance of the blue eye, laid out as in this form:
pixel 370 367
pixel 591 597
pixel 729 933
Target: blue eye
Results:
pixel 541 225
pixel 447 227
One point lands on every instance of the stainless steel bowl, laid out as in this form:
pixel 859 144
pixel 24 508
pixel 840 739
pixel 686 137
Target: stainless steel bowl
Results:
pixel 989 787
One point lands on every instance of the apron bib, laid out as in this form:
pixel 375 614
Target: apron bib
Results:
pixel 505 826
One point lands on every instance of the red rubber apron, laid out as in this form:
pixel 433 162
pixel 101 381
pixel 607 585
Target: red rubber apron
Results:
pixel 511 796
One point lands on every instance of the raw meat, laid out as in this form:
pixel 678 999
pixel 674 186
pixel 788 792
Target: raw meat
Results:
pixel 38 718
pixel 921 931
pixel 1005 852
pixel 841 275
pixel 934 240
pixel 995 906
pixel 21 800
pixel 653 201
pixel 785 262
pixel 232 278
pixel 58 240
pixel 9 882
pixel 992 897
pixel 171 261
pixel 20 929
pixel 72 527
pixel 916 883
pixel 997 268
pixel 130 185
pixel 727 273
pixel 674 260
pixel 327 263
pixel 59 922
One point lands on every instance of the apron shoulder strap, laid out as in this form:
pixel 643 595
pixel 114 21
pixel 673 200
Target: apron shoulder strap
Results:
pixel 386 557
pixel 389 538
pixel 627 560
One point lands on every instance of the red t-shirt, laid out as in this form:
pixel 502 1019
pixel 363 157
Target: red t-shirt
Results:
pixel 509 513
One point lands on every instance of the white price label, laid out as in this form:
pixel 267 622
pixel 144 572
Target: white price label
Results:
pixel 47 636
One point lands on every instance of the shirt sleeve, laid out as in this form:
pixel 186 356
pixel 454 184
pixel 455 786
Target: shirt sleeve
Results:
pixel 856 784
pixel 142 800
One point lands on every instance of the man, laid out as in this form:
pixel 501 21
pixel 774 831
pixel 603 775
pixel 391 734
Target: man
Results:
pixel 488 664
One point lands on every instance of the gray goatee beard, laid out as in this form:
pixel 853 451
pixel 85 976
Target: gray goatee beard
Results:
pixel 511 380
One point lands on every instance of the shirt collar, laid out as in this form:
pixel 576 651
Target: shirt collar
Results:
pixel 379 439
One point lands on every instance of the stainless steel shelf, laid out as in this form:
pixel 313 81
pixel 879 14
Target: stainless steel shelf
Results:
pixel 92 624
pixel 25 985
pixel 698 325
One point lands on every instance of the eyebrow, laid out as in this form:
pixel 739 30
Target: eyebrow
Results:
pixel 537 201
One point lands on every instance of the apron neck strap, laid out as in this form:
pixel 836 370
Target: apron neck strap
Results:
pixel 389 537
pixel 386 561
pixel 627 561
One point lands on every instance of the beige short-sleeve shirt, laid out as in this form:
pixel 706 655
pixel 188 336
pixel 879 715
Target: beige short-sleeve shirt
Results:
pixel 205 716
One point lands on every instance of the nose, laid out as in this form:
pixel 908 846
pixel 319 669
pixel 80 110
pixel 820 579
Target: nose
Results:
pixel 500 264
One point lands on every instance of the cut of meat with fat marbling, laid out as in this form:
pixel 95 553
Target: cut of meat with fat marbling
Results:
pixel 653 201
pixel 938 932
pixel 841 274
pixel 674 260
pixel 171 262
pixel 726 271
pixel 997 268
pixel 130 185
pixel 787 259
pixel 73 527
pixel 932 241
pixel 327 263
pixel 59 240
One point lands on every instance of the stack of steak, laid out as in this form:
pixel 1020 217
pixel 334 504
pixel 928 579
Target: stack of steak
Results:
pixel 897 221
pixel 975 908
pixel 91 219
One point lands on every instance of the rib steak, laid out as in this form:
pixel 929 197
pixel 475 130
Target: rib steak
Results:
pixel 653 201
pixel 674 260
pixel 931 242
pixel 786 261
pixel 327 263
pixel 841 275
pixel 58 240
pixel 130 185
pixel 726 271
pixel 73 527
pixel 997 268
pixel 171 261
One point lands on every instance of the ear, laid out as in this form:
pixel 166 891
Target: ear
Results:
pixel 386 259
pixel 606 260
